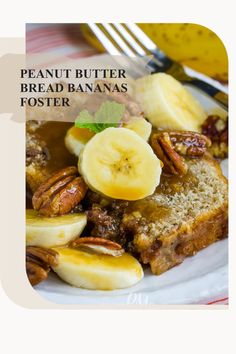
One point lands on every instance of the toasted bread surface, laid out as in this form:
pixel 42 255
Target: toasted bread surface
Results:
pixel 183 216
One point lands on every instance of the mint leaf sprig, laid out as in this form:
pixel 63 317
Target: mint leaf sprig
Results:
pixel 108 115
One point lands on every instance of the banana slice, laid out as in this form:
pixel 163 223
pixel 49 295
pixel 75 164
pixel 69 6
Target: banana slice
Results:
pixel 140 126
pixel 49 232
pixel 96 271
pixel 168 104
pixel 119 164
pixel 76 138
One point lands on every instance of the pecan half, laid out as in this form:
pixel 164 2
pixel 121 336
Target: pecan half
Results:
pixel 35 272
pixel 98 245
pixel 38 263
pixel 173 163
pixel 169 146
pixel 45 255
pixel 216 128
pixel 60 193
pixel 189 144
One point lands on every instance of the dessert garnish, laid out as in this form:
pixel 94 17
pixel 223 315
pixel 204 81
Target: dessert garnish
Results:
pixel 108 115
pixel 171 147
pixel 119 164
pixel 216 128
pixel 60 193
pixel 98 245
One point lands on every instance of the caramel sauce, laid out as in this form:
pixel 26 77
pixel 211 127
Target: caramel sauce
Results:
pixel 169 185
pixel 53 133
pixel 82 134
pixel 148 209
pixel 78 257
pixel 177 184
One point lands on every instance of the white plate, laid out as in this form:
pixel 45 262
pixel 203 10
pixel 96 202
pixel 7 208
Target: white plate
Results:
pixel 198 279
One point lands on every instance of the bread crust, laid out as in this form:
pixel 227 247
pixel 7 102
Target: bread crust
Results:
pixel 206 230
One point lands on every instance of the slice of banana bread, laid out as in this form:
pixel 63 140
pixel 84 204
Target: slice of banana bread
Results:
pixel 183 216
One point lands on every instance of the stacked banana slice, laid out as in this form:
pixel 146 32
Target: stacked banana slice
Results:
pixel 168 104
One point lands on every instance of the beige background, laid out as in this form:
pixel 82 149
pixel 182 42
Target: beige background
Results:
pixel 47 331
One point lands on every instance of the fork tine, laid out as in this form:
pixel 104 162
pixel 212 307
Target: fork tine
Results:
pixel 118 39
pixel 108 45
pixel 150 47
pixel 129 39
pixel 122 36
pixel 141 36
pixel 109 38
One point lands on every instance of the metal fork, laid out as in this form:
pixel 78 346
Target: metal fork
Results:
pixel 130 40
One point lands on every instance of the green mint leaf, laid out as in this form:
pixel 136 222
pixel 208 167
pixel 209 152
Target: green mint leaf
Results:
pixel 108 115
pixel 110 112
pixel 85 120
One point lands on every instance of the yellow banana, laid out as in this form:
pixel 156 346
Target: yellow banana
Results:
pixel 140 126
pixel 97 271
pixel 76 138
pixel 119 164
pixel 48 232
pixel 191 44
pixel 168 104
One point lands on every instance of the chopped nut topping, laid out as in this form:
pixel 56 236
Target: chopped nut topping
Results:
pixel 216 128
